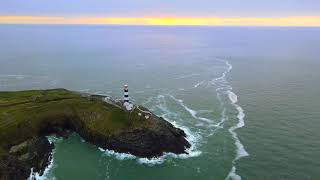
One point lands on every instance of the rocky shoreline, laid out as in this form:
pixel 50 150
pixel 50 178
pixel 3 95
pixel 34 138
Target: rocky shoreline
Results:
pixel 61 112
pixel 32 154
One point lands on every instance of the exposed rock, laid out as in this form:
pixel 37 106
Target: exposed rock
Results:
pixel 151 142
pixel 13 168
pixel 34 153
pixel 18 149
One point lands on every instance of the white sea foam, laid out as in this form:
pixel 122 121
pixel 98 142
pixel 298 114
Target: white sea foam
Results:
pixel 199 84
pixel 44 176
pixel 188 76
pixel 232 174
pixel 119 156
pixel 224 117
pixel 224 74
pixel 206 111
pixel 192 112
pixel 223 87
pixel 152 161
pixel 200 124
pixel 191 137
pixel 233 97
pixel 241 152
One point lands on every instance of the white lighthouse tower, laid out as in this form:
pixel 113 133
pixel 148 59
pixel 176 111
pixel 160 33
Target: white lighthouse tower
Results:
pixel 126 102
pixel 126 93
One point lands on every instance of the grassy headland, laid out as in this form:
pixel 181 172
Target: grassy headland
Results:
pixel 26 116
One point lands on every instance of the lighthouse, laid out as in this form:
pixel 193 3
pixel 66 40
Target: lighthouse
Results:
pixel 126 102
pixel 126 93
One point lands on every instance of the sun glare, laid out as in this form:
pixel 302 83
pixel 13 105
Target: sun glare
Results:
pixel 166 21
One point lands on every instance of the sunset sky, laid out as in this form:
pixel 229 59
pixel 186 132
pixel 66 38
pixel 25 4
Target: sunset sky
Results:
pixel 163 12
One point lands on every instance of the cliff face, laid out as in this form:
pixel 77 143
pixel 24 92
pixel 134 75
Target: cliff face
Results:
pixel 27 116
pixel 34 153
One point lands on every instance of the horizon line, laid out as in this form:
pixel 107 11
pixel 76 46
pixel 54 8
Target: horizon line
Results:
pixel 292 21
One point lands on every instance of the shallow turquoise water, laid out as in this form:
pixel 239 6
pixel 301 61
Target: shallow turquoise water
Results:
pixel 248 98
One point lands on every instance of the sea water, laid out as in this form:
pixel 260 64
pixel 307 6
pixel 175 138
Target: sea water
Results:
pixel 247 98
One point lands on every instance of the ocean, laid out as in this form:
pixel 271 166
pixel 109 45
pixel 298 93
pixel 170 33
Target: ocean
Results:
pixel 247 97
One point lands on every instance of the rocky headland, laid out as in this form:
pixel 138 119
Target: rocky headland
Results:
pixel 27 117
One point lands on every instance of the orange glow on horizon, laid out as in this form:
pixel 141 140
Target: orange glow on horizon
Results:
pixel 159 21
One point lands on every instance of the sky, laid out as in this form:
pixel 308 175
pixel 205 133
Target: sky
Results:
pixel 255 12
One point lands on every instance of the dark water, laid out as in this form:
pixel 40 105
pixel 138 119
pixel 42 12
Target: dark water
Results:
pixel 248 98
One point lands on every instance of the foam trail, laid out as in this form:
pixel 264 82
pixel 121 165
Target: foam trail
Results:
pixel 220 123
pixel 199 84
pixel 192 112
pixel 233 97
pixel 225 88
pixel 205 111
pixel 241 152
pixel 224 74
pixel 232 174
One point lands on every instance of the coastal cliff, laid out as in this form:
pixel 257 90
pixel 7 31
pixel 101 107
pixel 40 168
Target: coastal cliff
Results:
pixel 27 117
